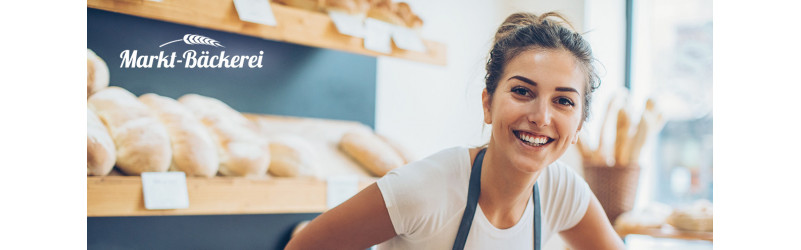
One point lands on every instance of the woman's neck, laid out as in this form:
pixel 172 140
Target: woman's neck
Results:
pixel 505 190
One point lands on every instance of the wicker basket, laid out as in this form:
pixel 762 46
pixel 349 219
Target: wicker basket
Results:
pixel 615 187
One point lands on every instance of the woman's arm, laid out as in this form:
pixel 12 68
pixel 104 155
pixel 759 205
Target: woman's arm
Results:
pixel 593 231
pixel 358 223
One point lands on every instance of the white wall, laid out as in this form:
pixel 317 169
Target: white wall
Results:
pixel 429 107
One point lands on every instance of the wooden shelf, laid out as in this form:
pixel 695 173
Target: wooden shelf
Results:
pixel 666 231
pixel 294 25
pixel 122 196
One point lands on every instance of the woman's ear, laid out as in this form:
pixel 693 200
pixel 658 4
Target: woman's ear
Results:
pixel 578 131
pixel 486 100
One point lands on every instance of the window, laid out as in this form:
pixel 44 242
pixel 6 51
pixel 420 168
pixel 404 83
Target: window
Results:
pixel 671 61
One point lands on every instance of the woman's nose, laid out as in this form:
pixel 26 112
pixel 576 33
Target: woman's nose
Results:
pixel 540 113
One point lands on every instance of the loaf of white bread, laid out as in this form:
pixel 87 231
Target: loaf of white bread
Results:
pixel 142 142
pixel 97 75
pixel 402 151
pixel 399 14
pixel 242 152
pixel 292 156
pixel 194 152
pixel 371 152
pixel 353 7
pixel 100 152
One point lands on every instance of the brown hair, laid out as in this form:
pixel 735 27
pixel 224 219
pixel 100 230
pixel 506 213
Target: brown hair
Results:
pixel 525 31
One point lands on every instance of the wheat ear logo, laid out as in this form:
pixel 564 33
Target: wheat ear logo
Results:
pixel 193 39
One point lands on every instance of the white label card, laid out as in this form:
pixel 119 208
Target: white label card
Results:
pixel 255 11
pixel 340 188
pixel 408 39
pixel 165 190
pixel 378 37
pixel 348 24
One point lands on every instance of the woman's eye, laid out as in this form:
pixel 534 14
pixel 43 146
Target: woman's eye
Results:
pixel 565 102
pixel 521 91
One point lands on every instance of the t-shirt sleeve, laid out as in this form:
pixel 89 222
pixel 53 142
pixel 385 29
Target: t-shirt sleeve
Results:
pixel 412 194
pixel 566 197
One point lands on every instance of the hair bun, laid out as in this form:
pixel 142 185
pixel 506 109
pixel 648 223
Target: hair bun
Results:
pixel 523 19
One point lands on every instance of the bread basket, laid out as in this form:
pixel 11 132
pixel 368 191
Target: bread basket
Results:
pixel 615 187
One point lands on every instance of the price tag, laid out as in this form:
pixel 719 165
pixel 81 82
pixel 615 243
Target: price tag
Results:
pixel 408 39
pixel 165 190
pixel 255 11
pixel 340 188
pixel 348 24
pixel 378 36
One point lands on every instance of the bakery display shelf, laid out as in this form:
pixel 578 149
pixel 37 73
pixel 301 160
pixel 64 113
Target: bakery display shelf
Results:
pixel 122 196
pixel 666 231
pixel 294 25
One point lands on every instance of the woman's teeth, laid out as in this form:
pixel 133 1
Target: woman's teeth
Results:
pixel 533 140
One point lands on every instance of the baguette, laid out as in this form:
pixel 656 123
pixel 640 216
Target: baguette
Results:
pixel 100 152
pixel 602 151
pixel 622 139
pixel 639 137
pixel 141 141
pixel 370 152
pixel 402 151
pixel 242 152
pixel 194 151
pixel 97 76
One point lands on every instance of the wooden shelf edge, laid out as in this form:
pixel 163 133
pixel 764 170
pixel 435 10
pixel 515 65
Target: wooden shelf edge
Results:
pixel 112 196
pixel 294 25
pixel 666 231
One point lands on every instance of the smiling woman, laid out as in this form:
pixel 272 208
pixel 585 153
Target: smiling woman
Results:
pixel 511 194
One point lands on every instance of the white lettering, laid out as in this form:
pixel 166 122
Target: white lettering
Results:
pixel 128 58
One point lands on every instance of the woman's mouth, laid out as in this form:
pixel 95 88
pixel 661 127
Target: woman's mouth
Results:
pixel 531 139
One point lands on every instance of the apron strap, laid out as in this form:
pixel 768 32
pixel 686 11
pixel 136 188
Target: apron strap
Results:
pixel 473 192
pixel 537 221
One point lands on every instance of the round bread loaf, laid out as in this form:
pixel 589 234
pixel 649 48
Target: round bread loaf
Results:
pixel 242 151
pixel 194 152
pixel 100 152
pixel 142 142
pixel 97 76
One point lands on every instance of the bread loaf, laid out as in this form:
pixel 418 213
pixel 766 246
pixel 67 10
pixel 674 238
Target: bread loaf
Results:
pixel 371 152
pixel 312 5
pixel 292 156
pixel 697 217
pixel 194 152
pixel 409 18
pixel 97 75
pixel 142 142
pixel 100 152
pixel 353 7
pixel 384 10
pixel 402 151
pixel 242 151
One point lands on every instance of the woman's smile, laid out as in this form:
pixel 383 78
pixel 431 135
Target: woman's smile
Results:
pixel 532 139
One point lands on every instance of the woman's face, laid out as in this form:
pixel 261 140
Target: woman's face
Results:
pixel 535 111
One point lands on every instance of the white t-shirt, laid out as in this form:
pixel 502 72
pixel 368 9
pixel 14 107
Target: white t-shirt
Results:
pixel 426 201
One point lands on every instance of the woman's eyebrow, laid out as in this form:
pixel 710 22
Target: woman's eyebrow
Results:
pixel 567 89
pixel 533 83
pixel 523 79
